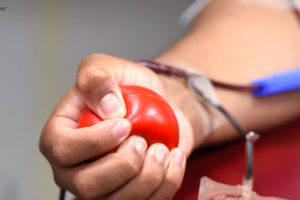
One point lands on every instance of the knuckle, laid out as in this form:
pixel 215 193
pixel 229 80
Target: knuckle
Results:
pixel 173 184
pixel 61 154
pixel 92 56
pixel 152 178
pixel 55 147
pixel 131 166
pixel 44 143
pixel 88 77
pixel 46 149
pixel 42 147
pixel 95 55
pixel 88 59
pixel 86 188
pixel 98 143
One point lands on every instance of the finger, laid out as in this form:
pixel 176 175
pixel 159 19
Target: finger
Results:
pixel 97 179
pixel 98 80
pixel 150 177
pixel 67 147
pixel 173 178
pixel 98 84
pixel 68 110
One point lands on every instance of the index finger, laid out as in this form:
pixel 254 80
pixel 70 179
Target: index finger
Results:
pixel 65 145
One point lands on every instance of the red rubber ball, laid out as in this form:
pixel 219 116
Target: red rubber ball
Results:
pixel 150 115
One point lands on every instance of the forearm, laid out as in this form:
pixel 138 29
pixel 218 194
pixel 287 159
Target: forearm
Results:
pixel 237 43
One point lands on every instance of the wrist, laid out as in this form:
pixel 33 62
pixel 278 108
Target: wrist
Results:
pixel 194 117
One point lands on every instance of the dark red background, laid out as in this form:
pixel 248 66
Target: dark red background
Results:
pixel 276 170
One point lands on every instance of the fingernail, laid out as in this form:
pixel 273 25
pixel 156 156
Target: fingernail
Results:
pixel 161 154
pixel 177 157
pixel 121 129
pixel 140 145
pixel 110 106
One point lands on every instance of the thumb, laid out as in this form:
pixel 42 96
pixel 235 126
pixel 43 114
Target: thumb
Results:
pixel 97 82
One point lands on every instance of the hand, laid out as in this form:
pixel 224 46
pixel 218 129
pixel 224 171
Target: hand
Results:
pixel 133 171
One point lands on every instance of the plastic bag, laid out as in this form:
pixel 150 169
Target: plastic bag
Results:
pixel 212 190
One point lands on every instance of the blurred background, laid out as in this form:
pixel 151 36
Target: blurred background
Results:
pixel 42 43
